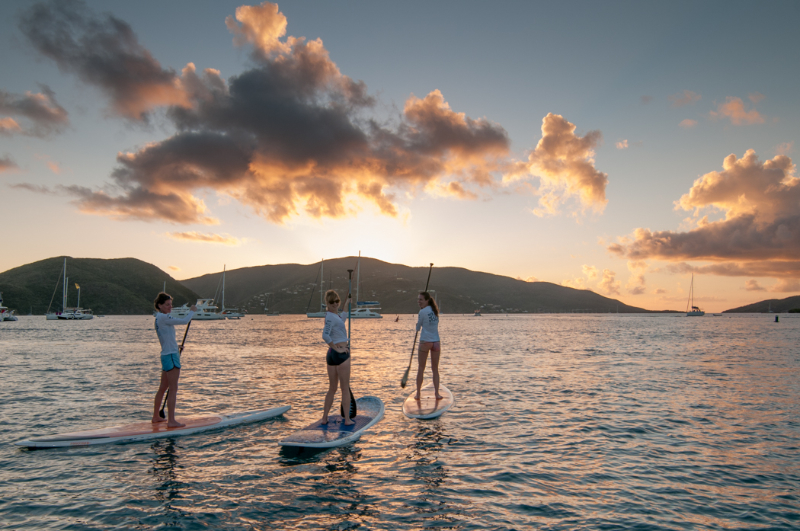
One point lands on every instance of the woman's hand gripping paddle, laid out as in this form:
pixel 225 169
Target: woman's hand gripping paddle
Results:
pixel 404 380
pixel 353 407
pixel 166 395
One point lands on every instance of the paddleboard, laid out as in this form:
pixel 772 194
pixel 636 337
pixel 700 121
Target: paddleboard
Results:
pixel 427 407
pixel 335 433
pixel 141 431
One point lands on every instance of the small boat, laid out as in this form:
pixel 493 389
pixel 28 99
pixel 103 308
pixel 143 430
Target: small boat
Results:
pixel 364 309
pixel 228 313
pixel 397 319
pixel 477 313
pixel 695 311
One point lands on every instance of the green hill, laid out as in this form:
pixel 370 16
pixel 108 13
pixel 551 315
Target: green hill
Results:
pixel 775 305
pixel 292 286
pixel 114 287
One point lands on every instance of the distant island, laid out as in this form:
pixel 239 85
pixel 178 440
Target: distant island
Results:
pixel 789 304
pixel 127 286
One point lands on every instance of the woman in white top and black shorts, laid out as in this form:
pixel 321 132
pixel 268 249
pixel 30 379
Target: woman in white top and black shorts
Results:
pixel 170 357
pixel 338 356
pixel 428 321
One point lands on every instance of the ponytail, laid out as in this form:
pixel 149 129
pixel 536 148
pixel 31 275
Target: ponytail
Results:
pixel 431 302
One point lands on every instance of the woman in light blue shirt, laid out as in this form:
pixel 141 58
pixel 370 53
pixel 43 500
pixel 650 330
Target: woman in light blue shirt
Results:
pixel 428 321
pixel 170 357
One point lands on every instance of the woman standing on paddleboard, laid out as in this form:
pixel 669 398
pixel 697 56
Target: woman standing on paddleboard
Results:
pixel 428 321
pixel 170 356
pixel 338 356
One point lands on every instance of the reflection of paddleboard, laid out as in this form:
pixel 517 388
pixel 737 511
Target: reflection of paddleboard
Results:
pixel 141 431
pixel 427 407
pixel 335 433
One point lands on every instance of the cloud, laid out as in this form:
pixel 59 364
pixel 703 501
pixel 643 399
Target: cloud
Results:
pixel 755 97
pixel 752 285
pixel 786 286
pixel 688 97
pixel 785 148
pixel 688 123
pixel 736 111
pixel 646 99
pixel 565 163
pixel 767 268
pixel 102 51
pixel 41 111
pixel 576 283
pixel 37 189
pixel 7 164
pixel 590 272
pixel 608 284
pixel 54 167
pixel 622 144
pixel 659 291
pixel 636 284
pixel 174 268
pixel 194 236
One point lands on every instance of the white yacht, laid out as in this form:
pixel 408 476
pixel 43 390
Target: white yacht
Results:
pixel 5 314
pixel 206 311
pixel 68 314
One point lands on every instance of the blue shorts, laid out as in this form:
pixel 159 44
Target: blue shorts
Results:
pixel 170 361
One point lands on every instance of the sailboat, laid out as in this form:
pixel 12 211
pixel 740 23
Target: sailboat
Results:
pixel 229 313
pixel 695 311
pixel 322 311
pixel 5 314
pixel 364 309
pixel 68 314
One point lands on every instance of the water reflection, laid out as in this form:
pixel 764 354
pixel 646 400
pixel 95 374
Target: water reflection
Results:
pixel 430 439
pixel 164 472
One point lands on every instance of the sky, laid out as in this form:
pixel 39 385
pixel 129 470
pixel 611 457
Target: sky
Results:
pixel 621 147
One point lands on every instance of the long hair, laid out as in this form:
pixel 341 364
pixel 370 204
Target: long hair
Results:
pixel 431 302
pixel 161 299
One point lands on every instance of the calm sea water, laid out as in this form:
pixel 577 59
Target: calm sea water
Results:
pixel 561 422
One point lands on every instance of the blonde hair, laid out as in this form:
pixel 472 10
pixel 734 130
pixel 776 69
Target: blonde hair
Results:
pixel 331 296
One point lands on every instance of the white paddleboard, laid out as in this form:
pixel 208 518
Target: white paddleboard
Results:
pixel 141 431
pixel 335 433
pixel 427 407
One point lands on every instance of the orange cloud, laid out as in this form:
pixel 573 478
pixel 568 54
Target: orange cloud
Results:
pixel 9 126
pixel 608 284
pixel 174 268
pixel 7 164
pixel 41 113
pixel 785 148
pixel 622 144
pixel 193 236
pixel 262 26
pixel 688 123
pixel 688 97
pixel 752 285
pixel 736 111
pixel 565 163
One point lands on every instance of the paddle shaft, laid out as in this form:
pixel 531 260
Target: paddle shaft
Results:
pixel 353 408
pixel 413 345
pixel 180 351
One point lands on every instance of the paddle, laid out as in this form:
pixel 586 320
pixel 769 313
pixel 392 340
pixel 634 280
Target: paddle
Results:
pixel 166 395
pixel 353 407
pixel 404 380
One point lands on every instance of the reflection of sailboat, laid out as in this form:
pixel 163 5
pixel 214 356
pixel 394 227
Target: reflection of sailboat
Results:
pixel 695 311
pixel 321 312
pixel 266 307
pixel 364 309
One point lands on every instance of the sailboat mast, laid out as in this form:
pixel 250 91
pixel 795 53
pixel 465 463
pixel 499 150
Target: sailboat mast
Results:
pixel 322 285
pixel 223 287
pixel 64 288
pixel 358 277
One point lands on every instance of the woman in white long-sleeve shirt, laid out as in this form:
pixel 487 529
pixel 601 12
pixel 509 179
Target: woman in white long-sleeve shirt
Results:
pixel 170 357
pixel 338 356
pixel 428 321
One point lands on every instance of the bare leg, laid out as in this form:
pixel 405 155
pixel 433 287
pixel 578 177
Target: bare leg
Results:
pixel 343 371
pixel 332 383
pixel 159 397
pixel 172 379
pixel 423 359
pixel 435 368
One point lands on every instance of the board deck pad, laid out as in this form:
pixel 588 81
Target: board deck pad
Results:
pixel 335 433
pixel 146 430
pixel 427 407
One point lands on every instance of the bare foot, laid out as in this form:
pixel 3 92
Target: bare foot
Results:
pixel 438 396
pixel 416 396
pixel 175 424
pixel 156 420
pixel 348 423
pixel 324 420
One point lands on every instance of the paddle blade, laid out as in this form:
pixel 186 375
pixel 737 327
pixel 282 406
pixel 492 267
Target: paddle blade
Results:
pixel 404 380
pixel 353 407
pixel 161 413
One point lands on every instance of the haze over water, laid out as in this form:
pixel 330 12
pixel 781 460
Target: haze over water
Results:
pixel 561 422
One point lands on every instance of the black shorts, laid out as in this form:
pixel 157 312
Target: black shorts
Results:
pixel 336 358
